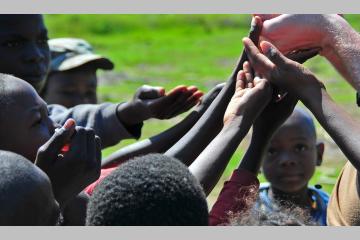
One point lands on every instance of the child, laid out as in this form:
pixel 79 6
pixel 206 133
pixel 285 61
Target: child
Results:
pixel 153 190
pixel 344 202
pixel 26 129
pixel 24 53
pixel 290 162
pixel 72 77
pixel 26 194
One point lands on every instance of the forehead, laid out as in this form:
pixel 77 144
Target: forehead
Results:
pixel 23 95
pixel 293 130
pixel 74 78
pixel 27 24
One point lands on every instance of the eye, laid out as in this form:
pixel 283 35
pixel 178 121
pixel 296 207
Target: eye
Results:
pixel 37 122
pixel 43 40
pixel 12 43
pixel 300 148
pixel 272 151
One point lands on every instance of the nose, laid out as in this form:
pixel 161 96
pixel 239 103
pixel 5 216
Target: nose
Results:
pixel 33 53
pixel 287 160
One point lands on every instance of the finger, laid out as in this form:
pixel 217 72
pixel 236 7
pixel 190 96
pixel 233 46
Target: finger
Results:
pixel 90 145
pixel 177 89
pixel 190 102
pixel 255 30
pixel 78 148
pixel 192 89
pixel 240 80
pixel 272 53
pixel 248 74
pixel 258 61
pixel 54 145
pixel 265 17
pixel 303 55
pixel 178 105
pixel 98 154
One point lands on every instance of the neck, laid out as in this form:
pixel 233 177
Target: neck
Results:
pixel 299 198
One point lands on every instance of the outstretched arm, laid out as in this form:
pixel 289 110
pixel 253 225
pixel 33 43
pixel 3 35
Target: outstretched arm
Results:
pixel 163 141
pixel 251 96
pixel 208 126
pixel 302 83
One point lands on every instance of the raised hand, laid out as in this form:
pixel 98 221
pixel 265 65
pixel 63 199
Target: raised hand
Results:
pixel 250 97
pixel 73 167
pixel 281 71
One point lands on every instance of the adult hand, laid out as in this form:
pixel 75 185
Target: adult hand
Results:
pixel 289 32
pixel 70 170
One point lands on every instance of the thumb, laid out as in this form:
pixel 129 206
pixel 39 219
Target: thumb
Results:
pixel 150 92
pixel 53 146
pixel 272 53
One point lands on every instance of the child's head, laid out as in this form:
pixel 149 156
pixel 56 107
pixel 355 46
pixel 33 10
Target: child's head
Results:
pixel 150 190
pixel 72 78
pixel 293 153
pixel 26 196
pixel 24 51
pixel 24 121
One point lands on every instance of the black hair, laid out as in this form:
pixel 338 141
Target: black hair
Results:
pixel 286 214
pixel 151 190
pixel 23 198
pixel 5 100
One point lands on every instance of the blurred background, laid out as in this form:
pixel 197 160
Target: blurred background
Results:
pixel 200 50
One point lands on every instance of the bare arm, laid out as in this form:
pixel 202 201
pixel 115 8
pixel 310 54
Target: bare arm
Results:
pixel 163 141
pixel 209 125
pixel 242 110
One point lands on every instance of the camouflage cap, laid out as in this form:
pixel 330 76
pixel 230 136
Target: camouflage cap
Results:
pixel 69 53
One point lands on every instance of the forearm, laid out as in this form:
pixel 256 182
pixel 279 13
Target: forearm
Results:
pixel 340 126
pixel 209 125
pixel 156 144
pixel 342 48
pixel 211 163
pixel 255 153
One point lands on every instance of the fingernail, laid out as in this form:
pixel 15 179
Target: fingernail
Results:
pixel 69 124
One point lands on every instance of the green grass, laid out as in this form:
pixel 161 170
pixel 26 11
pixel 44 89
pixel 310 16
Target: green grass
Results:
pixel 169 50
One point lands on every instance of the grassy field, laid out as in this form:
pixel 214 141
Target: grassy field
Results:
pixel 201 50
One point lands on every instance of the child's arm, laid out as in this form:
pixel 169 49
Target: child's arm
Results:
pixel 249 99
pixel 302 83
pixel 163 141
pixel 208 126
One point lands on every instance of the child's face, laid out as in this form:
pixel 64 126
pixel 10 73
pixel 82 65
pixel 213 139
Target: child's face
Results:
pixel 291 158
pixel 71 88
pixel 25 125
pixel 24 51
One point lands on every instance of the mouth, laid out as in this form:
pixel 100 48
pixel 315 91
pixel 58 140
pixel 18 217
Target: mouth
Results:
pixel 291 177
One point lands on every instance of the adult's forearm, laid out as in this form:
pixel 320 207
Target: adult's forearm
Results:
pixel 342 48
pixel 344 130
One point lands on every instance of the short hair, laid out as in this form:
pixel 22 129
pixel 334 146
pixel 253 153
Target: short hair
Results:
pixel 23 198
pixel 151 190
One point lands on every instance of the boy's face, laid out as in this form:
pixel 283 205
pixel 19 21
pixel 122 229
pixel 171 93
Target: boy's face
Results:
pixel 71 88
pixel 291 158
pixel 24 51
pixel 25 125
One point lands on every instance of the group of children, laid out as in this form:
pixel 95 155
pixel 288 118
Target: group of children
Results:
pixel 50 160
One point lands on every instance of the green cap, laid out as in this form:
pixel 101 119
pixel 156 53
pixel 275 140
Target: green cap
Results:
pixel 69 53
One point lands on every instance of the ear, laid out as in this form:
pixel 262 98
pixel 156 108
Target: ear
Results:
pixel 320 147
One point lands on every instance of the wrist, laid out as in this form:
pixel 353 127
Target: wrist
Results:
pixel 132 113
